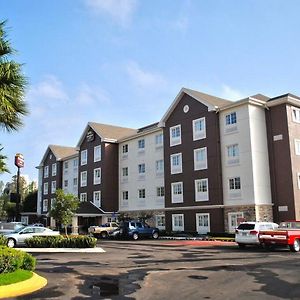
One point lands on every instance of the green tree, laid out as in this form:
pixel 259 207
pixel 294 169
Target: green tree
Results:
pixel 30 202
pixel 12 86
pixel 64 208
pixel 3 167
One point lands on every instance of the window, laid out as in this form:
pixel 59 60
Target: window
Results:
pixel 296 114
pixel 45 205
pixel 46 171
pixel 175 135
pixel 142 193
pixel 66 164
pixel 54 169
pixel 125 149
pixel 83 157
pixel 200 159
pixel 75 181
pixel 160 191
pixel 177 192
pixel 176 163
pixel 235 183
pixel 141 145
pixel 159 166
pixel 233 154
pixel 199 130
pixel 97 153
pixel 230 118
pixel 66 182
pixel 83 178
pixel 159 139
pixel 234 219
pixel 75 163
pixel 97 198
pixel 125 172
pixel 160 221
pixel 297 147
pixel 52 202
pixel 201 189
pixel 141 169
pixel 177 222
pixel 46 188
pixel 97 176
pixel 83 197
pixel 125 195
pixel 53 187
pixel 298 180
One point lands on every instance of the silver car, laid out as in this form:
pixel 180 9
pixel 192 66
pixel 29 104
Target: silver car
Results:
pixel 18 237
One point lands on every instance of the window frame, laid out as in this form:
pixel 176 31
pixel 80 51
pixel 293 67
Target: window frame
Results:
pixel 199 134
pixel 83 157
pixel 176 197
pixel 200 164
pixel 83 183
pixel 54 169
pixel 176 169
pixel 201 195
pixel 97 179
pixel 175 140
pixel 97 153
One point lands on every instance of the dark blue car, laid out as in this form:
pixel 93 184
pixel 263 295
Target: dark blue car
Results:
pixel 137 229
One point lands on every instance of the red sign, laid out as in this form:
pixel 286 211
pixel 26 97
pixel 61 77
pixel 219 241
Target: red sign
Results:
pixel 19 160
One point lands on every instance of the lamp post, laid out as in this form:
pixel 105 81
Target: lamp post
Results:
pixel 19 163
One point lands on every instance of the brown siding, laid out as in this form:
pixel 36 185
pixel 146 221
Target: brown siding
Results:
pixel 109 172
pixel 280 162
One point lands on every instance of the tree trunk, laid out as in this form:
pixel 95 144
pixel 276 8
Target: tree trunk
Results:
pixel 66 230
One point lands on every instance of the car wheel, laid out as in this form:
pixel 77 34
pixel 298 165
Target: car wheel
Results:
pixel 104 234
pixel 155 235
pixel 242 246
pixel 135 236
pixel 296 246
pixel 11 243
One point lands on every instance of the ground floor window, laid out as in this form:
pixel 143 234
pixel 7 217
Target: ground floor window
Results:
pixel 161 222
pixel 234 220
pixel 177 222
pixel 203 223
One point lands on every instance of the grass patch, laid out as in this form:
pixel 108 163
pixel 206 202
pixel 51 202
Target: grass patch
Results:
pixel 14 277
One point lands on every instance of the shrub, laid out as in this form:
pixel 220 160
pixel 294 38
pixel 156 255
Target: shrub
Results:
pixel 3 240
pixel 60 241
pixel 12 260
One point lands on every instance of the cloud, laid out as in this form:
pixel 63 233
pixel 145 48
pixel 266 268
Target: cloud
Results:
pixel 88 95
pixel 142 78
pixel 121 11
pixel 231 94
pixel 50 88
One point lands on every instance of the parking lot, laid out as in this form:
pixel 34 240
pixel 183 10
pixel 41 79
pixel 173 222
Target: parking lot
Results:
pixel 148 269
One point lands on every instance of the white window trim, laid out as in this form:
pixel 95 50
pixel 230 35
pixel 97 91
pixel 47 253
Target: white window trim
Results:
pixel 45 205
pixel 161 140
pixel 83 162
pixel 201 196
pixel 298 180
pixel 97 158
pixel 297 149
pixel 82 183
pixel 177 227
pixel 230 215
pixel 197 223
pixel 94 198
pixel 199 135
pixel 295 119
pixel 177 140
pixel 83 195
pixel 45 188
pixel 176 198
pixel 54 170
pixel 141 198
pixel 46 174
pixel 200 165
pixel 159 163
pixel 160 226
pixel 174 168
pixel 53 189
pixel 97 180
pixel 141 149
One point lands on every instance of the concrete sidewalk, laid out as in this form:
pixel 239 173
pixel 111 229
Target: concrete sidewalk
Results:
pixel 63 250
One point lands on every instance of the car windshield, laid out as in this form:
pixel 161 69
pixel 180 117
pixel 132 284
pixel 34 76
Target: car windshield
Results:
pixel 18 230
pixel 246 226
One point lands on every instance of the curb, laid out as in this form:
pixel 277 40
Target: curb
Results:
pixel 63 250
pixel 28 286
pixel 219 239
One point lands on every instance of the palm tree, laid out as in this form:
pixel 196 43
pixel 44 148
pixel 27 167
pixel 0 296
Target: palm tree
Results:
pixel 3 167
pixel 12 86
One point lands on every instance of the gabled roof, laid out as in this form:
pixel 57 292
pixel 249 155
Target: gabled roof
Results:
pixel 108 133
pixel 88 208
pixel 212 102
pixel 285 98
pixel 60 152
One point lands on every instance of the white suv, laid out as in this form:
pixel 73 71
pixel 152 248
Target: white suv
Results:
pixel 247 232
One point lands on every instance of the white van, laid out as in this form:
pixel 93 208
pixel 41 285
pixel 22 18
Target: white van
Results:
pixel 247 232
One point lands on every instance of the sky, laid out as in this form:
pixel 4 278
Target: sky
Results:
pixel 123 62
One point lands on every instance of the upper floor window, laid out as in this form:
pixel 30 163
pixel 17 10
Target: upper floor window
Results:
pixel 125 148
pixel 54 169
pixel 175 135
pixel 142 193
pixel 97 176
pixel 176 163
pixel 141 168
pixel 125 195
pixel 125 172
pixel 46 188
pixel 45 205
pixel 177 192
pixel 75 181
pixel 83 178
pixel 66 164
pixel 53 187
pixel 75 163
pixel 46 171
pixel 201 189
pixel 230 118
pixel 159 166
pixel 160 191
pixel 296 114
pixel 235 183
pixel 297 147
pixel 159 139
pixel 199 129
pixel 200 159
pixel 141 145
pixel 97 198
pixel 66 183
pixel 83 157
pixel 83 197
pixel 233 154
pixel 97 153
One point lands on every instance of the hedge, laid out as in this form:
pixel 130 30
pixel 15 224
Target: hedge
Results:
pixel 61 241
pixel 12 260
pixel 3 240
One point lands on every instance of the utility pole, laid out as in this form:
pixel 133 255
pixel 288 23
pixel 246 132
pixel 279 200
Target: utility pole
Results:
pixel 19 162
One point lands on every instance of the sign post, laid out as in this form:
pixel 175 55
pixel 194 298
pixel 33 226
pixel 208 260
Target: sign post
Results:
pixel 19 163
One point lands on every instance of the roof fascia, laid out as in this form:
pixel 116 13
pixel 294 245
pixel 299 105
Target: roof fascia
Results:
pixel 137 135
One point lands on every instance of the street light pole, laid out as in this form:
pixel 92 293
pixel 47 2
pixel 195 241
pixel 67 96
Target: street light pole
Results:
pixel 19 162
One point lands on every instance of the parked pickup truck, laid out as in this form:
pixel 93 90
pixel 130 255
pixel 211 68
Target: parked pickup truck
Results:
pixel 287 234
pixel 103 230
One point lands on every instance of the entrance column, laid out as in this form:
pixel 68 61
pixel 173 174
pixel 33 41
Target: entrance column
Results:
pixel 75 225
